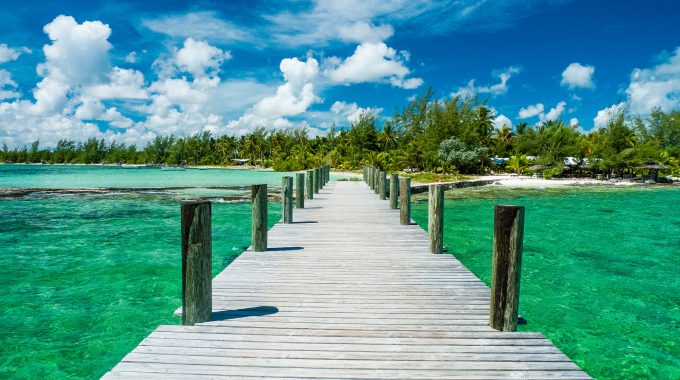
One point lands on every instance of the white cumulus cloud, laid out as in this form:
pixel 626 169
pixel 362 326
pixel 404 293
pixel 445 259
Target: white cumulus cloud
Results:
pixel 199 58
pixel 530 111
pixel 606 115
pixel 658 86
pixel 292 98
pixel 372 62
pixel 496 89
pixel 577 75
pixel 554 112
pixel 501 121
pixel 352 111
pixel 8 54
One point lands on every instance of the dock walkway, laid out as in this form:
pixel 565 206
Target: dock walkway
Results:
pixel 346 292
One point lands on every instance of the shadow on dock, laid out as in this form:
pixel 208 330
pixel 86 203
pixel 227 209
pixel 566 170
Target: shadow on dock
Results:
pixel 243 313
pixel 277 249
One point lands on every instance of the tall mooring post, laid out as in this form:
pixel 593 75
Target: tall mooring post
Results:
pixel 259 228
pixel 508 236
pixel 287 199
pixel 435 221
pixel 317 179
pixel 394 190
pixel 196 262
pixel 405 201
pixel 310 184
pixel 299 190
pixel 383 186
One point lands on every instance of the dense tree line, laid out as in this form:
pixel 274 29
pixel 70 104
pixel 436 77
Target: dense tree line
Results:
pixel 439 135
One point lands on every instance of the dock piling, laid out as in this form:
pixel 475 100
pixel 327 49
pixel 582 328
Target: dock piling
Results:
pixel 394 190
pixel 310 184
pixel 435 222
pixel 405 201
pixel 317 178
pixel 299 190
pixel 383 186
pixel 508 233
pixel 287 199
pixel 196 262
pixel 259 228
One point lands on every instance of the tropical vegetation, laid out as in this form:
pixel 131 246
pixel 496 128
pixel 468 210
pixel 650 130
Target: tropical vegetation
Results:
pixel 436 135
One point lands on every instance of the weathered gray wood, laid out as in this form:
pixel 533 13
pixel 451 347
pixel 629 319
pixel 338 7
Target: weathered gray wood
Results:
pixel 196 262
pixel 383 186
pixel 347 292
pixel 259 219
pixel 317 180
pixel 287 199
pixel 405 201
pixel 310 184
pixel 371 177
pixel 435 218
pixel 508 234
pixel 299 190
pixel 394 190
pixel 376 181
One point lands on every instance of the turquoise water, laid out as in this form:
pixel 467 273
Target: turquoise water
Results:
pixel 85 278
pixel 600 270
pixel 80 176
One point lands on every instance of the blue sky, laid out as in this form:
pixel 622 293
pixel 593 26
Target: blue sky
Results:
pixel 128 70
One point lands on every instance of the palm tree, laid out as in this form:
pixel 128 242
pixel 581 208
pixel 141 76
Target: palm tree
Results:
pixel 388 138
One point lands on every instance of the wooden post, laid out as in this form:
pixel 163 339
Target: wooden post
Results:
pixel 299 190
pixel 371 176
pixel 363 173
pixel 383 186
pixel 287 199
pixel 508 233
pixel 328 173
pixel 196 262
pixel 405 201
pixel 435 220
pixel 376 182
pixel 394 190
pixel 310 184
pixel 259 231
pixel 317 177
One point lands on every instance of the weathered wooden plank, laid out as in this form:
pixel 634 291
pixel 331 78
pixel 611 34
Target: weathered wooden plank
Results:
pixel 346 292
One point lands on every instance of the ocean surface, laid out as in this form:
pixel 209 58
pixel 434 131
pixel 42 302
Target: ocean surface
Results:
pixel 86 277
pixel 600 270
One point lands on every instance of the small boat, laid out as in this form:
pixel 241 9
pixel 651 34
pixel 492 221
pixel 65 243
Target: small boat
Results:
pixel 132 166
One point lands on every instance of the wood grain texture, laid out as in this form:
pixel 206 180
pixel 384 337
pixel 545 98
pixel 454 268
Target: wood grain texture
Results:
pixel 508 235
pixel 259 218
pixel 346 292
pixel 196 262
pixel 435 218
pixel 383 185
pixel 287 199
pixel 405 201
pixel 299 190
pixel 310 184
pixel 394 191
pixel 317 179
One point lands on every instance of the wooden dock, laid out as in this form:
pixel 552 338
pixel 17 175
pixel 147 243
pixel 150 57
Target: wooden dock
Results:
pixel 346 292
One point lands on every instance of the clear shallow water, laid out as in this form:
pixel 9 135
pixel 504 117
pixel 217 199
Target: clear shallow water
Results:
pixel 86 277
pixel 600 270
pixel 82 176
